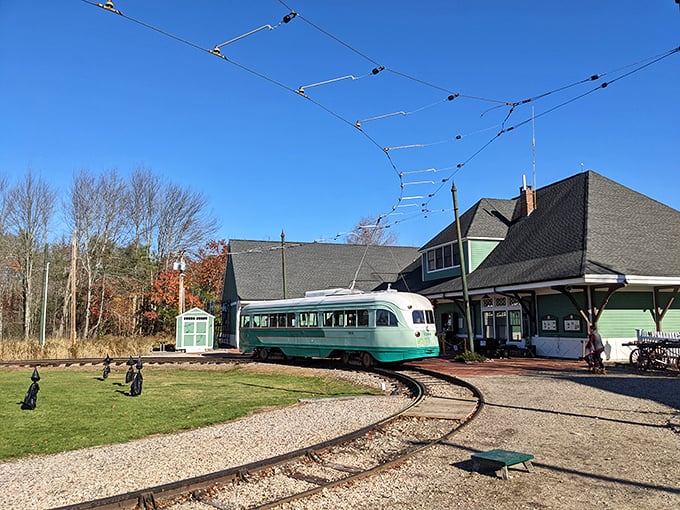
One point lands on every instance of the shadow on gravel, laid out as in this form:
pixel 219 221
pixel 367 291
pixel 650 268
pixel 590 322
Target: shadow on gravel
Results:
pixel 467 465
pixel 657 386
pixel 577 415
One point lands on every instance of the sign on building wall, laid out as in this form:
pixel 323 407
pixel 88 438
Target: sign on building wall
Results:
pixel 549 323
pixel 572 323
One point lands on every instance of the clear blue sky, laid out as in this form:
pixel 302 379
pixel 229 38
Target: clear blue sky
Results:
pixel 82 88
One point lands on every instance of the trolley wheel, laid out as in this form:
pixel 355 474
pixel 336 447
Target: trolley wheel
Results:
pixel 366 360
pixel 634 356
pixel 346 357
pixel 263 354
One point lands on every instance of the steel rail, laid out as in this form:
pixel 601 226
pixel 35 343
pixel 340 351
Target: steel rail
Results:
pixel 148 498
pixel 397 460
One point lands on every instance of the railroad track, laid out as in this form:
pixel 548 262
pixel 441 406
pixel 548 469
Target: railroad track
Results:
pixel 440 406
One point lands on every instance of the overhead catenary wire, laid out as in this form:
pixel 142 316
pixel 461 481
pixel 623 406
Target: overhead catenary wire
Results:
pixel 640 65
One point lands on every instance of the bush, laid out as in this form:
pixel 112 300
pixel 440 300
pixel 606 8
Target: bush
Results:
pixel 470 357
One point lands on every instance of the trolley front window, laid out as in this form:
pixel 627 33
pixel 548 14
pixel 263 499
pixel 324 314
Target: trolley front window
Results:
pixel 423 317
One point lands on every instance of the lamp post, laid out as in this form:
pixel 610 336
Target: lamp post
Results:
pixel 180 265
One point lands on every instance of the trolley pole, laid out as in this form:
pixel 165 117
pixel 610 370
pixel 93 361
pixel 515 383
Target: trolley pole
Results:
pixel 463 276
pixel 283 262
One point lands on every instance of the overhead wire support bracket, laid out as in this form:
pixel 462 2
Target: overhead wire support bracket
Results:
pixel 374 71
pixel 286 19
pixel 110 7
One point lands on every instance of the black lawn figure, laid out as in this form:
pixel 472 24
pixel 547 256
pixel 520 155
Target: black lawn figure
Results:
pixel 30 401
pixel 130 375
pixel 136 386
pixel 107 368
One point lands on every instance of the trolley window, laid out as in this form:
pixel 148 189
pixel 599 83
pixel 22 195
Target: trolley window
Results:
pixel 338 319
pixel 362 316
pixel 351 316
pixel 308 319
pixel 385 318
pixel 290 320
pixel 423 317
pixel 245 321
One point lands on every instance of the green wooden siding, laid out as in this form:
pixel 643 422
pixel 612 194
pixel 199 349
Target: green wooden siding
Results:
pixel 625 312
pixel 558 308
pixel 628 311
pixel 479 250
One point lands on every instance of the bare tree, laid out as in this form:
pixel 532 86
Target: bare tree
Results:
pixel 369 232
pixel 97 213
pixel 144 191
pixel 30 205
pixel 183 223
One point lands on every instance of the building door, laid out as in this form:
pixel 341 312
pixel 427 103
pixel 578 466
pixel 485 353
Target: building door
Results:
pixel 501 324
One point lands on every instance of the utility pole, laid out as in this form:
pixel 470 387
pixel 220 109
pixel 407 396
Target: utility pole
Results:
pixel 463 276
pixel 283 262
pixel 73 289
pixel 180 266
pixel 43 316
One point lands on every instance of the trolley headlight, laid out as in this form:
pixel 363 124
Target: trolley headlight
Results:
pixel 417 333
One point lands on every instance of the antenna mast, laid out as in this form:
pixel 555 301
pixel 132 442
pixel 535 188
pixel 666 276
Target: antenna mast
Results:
pixel 533 153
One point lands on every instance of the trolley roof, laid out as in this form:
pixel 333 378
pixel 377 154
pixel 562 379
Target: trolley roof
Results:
pixel 333 297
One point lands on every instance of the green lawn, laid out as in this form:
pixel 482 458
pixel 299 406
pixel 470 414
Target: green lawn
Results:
pixel 77 408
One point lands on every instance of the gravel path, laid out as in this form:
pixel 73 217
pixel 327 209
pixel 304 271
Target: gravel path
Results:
pixel 599 442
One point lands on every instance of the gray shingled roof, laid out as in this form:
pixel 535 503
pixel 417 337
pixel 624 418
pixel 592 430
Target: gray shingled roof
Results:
pixel 488 218
pixel 584 225
pixel 313 266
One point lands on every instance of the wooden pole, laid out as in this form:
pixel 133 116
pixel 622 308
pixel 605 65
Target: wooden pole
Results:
pixel 463 276
pixel 73 288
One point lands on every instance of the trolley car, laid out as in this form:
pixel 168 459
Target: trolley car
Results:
pixel 384 327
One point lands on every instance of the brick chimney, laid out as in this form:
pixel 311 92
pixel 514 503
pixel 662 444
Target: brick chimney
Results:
pixel 526 199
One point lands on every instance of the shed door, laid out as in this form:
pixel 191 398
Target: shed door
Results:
pixel 201 332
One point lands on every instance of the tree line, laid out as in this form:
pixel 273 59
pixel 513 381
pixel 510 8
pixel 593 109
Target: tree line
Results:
pixel 99 259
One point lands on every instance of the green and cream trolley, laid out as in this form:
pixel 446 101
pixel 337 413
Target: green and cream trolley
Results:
pixel 386 327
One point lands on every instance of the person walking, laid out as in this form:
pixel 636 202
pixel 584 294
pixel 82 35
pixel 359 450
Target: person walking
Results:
pixel 597 347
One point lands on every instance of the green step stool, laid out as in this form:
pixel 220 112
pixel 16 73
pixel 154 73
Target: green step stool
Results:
pixel 499 460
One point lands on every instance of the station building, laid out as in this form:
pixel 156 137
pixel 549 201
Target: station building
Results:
pixel 540 268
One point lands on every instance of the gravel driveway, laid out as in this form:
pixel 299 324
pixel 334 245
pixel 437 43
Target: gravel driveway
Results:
pixel 605 441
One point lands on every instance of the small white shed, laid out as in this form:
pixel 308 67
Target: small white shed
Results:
pixel 195 331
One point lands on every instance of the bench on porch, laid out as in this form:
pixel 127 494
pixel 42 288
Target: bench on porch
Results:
pixel 499 460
